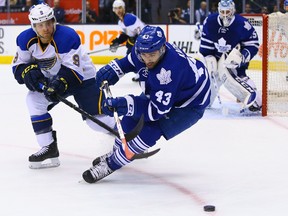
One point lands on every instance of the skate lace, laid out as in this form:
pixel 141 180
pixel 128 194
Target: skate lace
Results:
pixel 100 171
pixel 42 151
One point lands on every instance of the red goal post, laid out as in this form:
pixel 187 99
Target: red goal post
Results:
pixel 269 68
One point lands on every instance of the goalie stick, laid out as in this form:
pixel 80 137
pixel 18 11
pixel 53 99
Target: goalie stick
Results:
pixel 131 135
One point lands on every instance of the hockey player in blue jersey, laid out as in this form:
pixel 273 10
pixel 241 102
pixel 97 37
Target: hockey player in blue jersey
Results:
pixel 228 43
pixel 52 55
pixel 176 91
pixel 131 26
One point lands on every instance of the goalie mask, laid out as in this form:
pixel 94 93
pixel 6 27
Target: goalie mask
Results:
pixel 226 9
pixel 41 13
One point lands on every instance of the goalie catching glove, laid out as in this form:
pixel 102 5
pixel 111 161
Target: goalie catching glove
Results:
pixel 237 59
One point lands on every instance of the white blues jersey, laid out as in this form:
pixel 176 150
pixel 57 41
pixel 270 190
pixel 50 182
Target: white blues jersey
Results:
pixel 64 49
pixel 131 25
pixel 177 81
pixel 218 39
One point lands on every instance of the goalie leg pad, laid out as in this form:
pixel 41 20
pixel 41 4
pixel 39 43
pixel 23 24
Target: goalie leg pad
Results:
pixel 211 63
pixel 239 88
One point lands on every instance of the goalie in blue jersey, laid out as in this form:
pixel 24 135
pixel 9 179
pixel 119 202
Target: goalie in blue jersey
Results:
pixel 228 43
pixel 176 91
pixel 52 55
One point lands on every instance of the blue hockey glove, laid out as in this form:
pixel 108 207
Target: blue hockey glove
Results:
pixel 31 76
pixel 106 73
pixel 56 86
pixel 118 104
pixel 246 57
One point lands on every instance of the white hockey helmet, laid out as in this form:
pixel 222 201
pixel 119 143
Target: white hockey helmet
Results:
pixel 226 9
pixel 40 13
pixel 117 4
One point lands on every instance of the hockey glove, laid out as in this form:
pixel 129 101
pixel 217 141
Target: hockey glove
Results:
pixel 56 86
pixel 237 59
pixel 108 73
pixel 114 45
pixel 246 57
pixel 31 76
pixel 122 105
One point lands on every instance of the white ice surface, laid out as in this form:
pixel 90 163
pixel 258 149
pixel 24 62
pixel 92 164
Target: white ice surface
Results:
pixel 237 163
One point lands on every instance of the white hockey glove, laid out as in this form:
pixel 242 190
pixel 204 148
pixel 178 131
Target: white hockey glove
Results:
pixel 236 58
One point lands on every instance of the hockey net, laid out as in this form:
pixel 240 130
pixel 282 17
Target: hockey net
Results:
pixel 269 68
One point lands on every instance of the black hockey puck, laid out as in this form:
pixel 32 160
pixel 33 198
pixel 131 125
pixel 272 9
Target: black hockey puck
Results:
pixel 209 208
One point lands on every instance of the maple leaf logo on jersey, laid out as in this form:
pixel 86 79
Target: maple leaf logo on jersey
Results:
pixel 164 76
pixel 222 46
pixel 247 25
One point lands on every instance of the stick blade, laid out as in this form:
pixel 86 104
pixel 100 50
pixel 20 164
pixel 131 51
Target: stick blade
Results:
pixel 145 154
pixel 136 130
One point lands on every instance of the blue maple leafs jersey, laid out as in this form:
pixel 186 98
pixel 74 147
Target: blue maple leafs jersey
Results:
pixel 177 81
pixel 64 49
pixel 217 39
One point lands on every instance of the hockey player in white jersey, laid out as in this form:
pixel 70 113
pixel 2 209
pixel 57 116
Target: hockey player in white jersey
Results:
pixel 131 26
pixel 228 43
pixel 52 55
pixel 176 91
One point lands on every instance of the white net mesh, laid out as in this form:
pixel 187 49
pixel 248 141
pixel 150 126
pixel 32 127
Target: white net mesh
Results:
pixel 277 48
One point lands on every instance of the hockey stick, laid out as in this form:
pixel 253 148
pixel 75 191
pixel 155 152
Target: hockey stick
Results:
pixel 102 50
pixel 129 154
pixel 129 136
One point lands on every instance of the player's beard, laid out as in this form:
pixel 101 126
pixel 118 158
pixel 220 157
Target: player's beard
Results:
pixel 150 65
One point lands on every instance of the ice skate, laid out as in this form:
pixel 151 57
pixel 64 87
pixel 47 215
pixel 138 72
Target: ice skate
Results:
pixel 97 172
pixel 101 158
pixel 46 157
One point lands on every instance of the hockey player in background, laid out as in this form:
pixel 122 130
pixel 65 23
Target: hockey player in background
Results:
pixel 52 55
pixel 230 36
pixel 176 91
pixel 131 26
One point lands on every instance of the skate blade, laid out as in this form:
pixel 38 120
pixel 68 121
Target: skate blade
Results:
pixel 48 163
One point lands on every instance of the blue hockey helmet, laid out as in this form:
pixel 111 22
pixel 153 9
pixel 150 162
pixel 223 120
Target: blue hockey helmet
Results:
pixel 226 9
pixel 150 39
pixel 285 5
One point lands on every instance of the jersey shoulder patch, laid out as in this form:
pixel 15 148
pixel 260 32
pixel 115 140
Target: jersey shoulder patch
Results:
pixel 65 39
pixel 26 39
pixel 129 19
